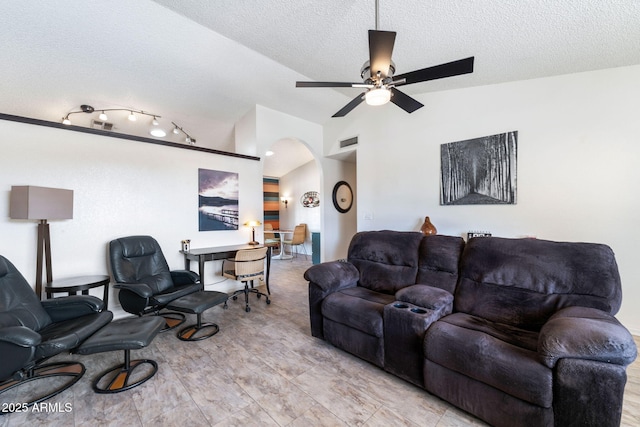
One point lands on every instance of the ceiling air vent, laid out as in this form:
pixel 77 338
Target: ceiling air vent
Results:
pixel 349 142
pixel 97 124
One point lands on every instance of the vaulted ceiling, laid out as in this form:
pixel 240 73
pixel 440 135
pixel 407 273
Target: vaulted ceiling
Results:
pixel 203 64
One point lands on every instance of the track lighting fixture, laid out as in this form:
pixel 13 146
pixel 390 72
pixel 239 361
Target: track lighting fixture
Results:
pixel 155 129
pixel 177 129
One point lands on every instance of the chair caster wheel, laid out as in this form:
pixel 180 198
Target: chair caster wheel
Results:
pixel 259 296
pixel 235 297
pixel 225 306
pixel 247 309
pixel 268 301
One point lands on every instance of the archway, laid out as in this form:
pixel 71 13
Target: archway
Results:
pixel 291 171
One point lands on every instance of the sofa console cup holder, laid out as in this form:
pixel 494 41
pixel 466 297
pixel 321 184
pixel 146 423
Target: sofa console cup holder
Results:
pixel 416 310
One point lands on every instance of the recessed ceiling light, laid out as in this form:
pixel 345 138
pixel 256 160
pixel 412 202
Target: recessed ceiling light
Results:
pixel 269 153
pixel 157 132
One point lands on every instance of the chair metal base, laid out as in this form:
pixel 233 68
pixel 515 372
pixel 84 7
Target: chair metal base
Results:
pixel 118 377
pixel 190 333
pixel 248 290
pixel 73 370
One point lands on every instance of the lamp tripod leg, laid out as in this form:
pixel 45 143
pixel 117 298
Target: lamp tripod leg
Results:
pixel 43 256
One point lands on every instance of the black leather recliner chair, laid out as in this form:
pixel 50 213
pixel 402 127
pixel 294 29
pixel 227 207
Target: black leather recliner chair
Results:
pixel 32 331
pixel 146 284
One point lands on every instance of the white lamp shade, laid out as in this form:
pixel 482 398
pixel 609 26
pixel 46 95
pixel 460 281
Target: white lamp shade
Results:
pixel 377 96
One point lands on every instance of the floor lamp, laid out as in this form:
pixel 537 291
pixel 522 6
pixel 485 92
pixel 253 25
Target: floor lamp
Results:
pixel 42 204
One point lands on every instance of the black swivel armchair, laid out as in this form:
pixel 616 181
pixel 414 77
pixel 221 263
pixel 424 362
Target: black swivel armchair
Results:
pixel 146 284
pixel 32 331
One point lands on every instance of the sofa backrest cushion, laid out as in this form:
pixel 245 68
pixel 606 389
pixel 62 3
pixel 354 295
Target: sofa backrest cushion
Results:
pixel 387 260
pixel 522 282
pixel 19 304
pixel 438 261
pixel 139 259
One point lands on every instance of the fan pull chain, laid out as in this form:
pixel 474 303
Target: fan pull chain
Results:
pixel 377 16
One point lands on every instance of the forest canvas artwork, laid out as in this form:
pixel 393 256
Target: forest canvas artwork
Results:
pixel 217 200
pixel 479 171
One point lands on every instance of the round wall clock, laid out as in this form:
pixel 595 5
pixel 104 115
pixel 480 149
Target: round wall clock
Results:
pixel 342 197
pixel 310 199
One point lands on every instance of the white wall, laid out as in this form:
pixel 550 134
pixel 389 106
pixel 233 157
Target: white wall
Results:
pixel 120 188
pixel 294 185
pixel 338 228
pixel 578 153
pixel 268 126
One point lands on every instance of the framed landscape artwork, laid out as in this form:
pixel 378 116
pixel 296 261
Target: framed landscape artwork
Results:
pixel 217 200
pixel 479 171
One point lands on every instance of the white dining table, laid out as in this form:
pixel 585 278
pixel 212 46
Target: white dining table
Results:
pixel 282 254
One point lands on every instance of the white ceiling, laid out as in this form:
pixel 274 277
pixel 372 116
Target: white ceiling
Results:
pixel 205 63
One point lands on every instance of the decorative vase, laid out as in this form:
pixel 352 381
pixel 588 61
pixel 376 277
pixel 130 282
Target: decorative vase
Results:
pixel 428 228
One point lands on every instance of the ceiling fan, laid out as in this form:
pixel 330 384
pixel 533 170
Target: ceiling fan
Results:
pixel 378 75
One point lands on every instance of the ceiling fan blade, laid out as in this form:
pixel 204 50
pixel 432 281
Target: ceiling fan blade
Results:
pixel 450 69
pixel 331 84
pixel 350 106
pixel 404 101
pixel 380 49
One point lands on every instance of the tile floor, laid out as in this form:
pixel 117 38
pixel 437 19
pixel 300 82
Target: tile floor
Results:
pixel 262 369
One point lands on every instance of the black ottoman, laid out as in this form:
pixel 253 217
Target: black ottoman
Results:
pixel 124 334
pixel 196 303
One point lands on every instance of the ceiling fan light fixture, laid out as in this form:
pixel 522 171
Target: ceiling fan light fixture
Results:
pixel 379 96
pixel 103 116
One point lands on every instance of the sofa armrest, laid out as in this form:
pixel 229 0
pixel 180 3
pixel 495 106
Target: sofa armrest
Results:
pixel 333 276
pixel 20 336
pixel 426 296
pixel 325 279
pixel 184 277
pixel 141 289
pixel 71 307
pixel 585 333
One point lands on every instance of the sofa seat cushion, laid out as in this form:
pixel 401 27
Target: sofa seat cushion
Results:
pixel 359 308
pixel 498 355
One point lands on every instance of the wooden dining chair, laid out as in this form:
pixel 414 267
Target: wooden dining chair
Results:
pixel 270 238
pixel 298 238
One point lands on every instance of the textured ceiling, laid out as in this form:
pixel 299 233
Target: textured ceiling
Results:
pixel 511 40
pixel 205 63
